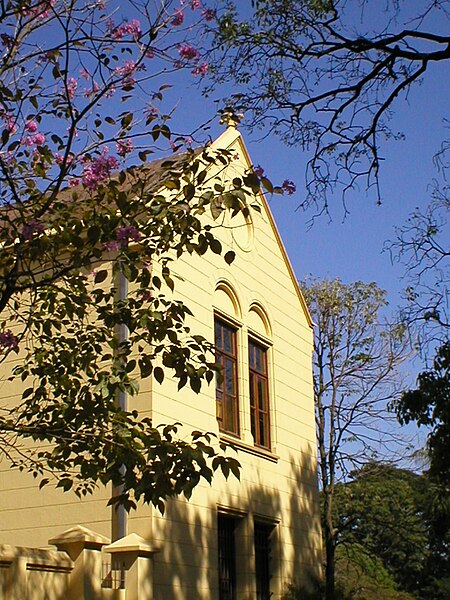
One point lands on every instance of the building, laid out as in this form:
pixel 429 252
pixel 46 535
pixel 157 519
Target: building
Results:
pixel 234 540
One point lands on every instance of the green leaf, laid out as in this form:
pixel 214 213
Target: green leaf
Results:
pixel 216 246
pixel 94 233
pixel 100 276
pixel 189 191
pixel 267 184
pixel 158 374
pixel 196 384
pixel 230 256
pixel 126 120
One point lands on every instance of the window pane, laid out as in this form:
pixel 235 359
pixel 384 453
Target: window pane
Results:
pixel 230 415
pixel 262 560
pixel 230 377
pixel 218 334
pixel 228 340
pixel 226 386
pixel 259 394
pixel 262 390
pixel 262 430
pixel 227 558
pixel 257 357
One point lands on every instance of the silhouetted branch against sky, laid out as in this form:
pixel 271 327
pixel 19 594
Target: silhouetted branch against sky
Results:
pixel 330 77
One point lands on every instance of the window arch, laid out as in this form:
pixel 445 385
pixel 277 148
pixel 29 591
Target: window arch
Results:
pixel 258 321
pixel 226 300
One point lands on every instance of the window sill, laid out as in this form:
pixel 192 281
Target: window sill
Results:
pixel 238 444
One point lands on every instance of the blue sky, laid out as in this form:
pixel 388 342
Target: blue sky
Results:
pixel 350 248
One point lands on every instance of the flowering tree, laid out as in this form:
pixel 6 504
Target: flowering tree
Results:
pixel 78 223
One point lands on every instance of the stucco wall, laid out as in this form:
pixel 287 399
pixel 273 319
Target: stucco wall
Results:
pixel 279 485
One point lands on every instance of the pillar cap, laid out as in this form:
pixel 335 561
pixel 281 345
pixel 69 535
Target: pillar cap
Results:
pixel 79 535
pixel 131 543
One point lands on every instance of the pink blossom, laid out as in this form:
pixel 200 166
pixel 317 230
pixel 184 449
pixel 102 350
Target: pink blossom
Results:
pixel 288 187
pixel 195 4
pixel 111 246
pixel 209 14
pixel 200 69
pixel 124 147
pixel 10 124
pixel 96 88
pixel 59 159
pixel 188 52
pixel 126 234
pixel 31 140
pixel 38 139
pixel 178 18
pixel 151 111
pixel 133 28
pixel 96 171
pixel 85 74
pixel 72 85
pixel 127 71
pixel 31 126
pixel 29 229
pixel 74 182
pixel 8 341
pixel 41 10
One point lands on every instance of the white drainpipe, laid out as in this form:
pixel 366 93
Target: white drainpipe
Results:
pixel 119 517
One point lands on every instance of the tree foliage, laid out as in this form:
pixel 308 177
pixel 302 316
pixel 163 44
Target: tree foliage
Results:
pixel 400 520
pixel 327 75
pixel 429 405
pixel 88 233
pixel 355 365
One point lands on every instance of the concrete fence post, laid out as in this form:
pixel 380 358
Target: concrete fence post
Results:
pixel 85 548
pixel 135 554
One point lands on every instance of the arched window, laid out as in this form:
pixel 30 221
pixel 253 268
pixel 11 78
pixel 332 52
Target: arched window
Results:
pixel 226 328
pixel 259 330
pixel 227 401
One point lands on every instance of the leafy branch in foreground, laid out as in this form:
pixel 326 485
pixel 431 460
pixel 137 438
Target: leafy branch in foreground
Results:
pixel 89 231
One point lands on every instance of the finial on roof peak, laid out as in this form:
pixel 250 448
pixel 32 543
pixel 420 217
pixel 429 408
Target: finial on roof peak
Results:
pixel 230 118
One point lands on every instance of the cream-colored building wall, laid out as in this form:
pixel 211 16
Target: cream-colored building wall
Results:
pixel 279 486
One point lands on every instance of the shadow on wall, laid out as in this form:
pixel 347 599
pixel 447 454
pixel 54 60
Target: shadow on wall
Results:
pixel 187 567
pixel 280 503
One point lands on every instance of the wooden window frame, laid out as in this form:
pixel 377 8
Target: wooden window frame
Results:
pixel 257 377
pixel 222 397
